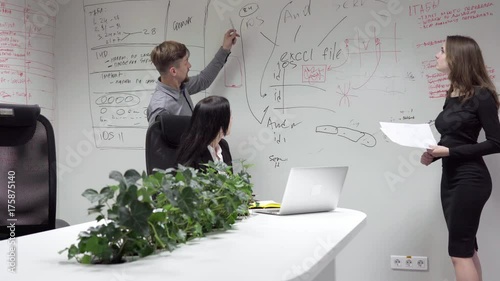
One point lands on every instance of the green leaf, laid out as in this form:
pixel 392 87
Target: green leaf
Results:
pixel 106 194
pixel 86 259
pixel 95 209
pixel 117 176
pixel 110 230
pixel 186 199
pixel 131 177
pixel 170 246
pixel 181 235
pixel 172 196
pixel 146 251
pixel 144 194
pixel 158 217
pixel 242 209
pixel 84 234
pixel 72 252
pixel 91 195
pixel 198 230
pixel 95 246
pixel 127 196
pixel 136 218
pixel 210 215
pixel 113 212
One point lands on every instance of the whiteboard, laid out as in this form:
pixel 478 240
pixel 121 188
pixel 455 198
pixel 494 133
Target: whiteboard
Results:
pixel 27 74
pixel 308 82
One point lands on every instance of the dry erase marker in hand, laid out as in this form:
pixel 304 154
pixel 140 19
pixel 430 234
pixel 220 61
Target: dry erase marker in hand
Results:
pixel 232 26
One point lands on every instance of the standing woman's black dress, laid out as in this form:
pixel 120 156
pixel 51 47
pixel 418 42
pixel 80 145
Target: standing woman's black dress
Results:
pixel 466 182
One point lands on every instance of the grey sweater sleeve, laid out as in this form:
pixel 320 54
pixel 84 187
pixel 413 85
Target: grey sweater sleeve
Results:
pixel 203 80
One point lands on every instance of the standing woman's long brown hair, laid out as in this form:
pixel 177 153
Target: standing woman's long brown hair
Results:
pixel 467 68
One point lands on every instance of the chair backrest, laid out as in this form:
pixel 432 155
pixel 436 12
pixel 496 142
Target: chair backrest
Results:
pixel 28 166
pixel 162 140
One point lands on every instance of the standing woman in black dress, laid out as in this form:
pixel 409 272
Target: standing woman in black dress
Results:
pixel 471 105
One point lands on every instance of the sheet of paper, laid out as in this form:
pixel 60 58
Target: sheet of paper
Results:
pixel 412 135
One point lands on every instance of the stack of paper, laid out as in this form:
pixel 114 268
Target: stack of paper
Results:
pixel 412 135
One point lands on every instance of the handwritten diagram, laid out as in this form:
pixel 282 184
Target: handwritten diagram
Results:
pixel 331 70
pixel 121 75
pixel 356 136
pixel 303 68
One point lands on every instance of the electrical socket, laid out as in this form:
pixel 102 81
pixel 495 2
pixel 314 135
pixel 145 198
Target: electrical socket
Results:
pixel 409 263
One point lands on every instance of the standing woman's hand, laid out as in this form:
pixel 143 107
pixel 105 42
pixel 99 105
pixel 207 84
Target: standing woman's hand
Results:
pixel 438 151
pixel 426 158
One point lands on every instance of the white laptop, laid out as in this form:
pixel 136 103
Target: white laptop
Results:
pixel 310 190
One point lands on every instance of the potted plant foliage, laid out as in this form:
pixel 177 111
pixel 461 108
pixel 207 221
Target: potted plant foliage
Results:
pixel 143 214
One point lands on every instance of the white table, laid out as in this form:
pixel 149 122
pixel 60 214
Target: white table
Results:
pixel 261 247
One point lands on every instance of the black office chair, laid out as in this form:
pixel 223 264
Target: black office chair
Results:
pixel 27 171
pixel 162 140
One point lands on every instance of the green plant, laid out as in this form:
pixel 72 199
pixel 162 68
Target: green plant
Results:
pixel 143 214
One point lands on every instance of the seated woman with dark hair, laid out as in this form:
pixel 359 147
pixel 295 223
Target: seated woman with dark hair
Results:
pixel 203 140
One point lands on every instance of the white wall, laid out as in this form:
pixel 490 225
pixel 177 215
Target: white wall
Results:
pixel 404 217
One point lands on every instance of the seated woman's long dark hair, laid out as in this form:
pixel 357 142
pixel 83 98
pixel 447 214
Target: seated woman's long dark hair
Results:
pixel 210 115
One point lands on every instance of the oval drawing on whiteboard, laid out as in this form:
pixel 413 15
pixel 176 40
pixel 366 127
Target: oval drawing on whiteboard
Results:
pixel 248 9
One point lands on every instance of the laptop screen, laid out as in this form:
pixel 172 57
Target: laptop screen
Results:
pixel 313 189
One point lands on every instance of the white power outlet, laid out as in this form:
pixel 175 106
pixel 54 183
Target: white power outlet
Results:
pixel 409 262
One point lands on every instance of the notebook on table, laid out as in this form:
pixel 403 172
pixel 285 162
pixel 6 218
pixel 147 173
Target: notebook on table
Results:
pixel 310 190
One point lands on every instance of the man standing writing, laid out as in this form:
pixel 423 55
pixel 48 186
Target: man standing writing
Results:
pixel 174 87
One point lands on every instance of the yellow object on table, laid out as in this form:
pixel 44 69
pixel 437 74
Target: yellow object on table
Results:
pixel 264 204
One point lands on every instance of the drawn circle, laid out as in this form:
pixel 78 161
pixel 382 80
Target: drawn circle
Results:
pixel 248 9
pixel 119 100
